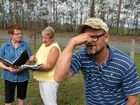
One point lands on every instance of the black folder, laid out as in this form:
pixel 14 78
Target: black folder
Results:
pixel 22 59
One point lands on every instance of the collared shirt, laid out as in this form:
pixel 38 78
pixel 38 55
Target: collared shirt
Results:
pixel 10 53
pixel 109 83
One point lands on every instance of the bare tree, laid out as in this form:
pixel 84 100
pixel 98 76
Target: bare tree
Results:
pixel 118 17
pixel 123 16
pixel 3 15
pixel 92 9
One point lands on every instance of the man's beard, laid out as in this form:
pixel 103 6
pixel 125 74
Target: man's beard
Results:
pixel 96 52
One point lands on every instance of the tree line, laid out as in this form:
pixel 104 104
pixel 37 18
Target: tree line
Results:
pixel 122 16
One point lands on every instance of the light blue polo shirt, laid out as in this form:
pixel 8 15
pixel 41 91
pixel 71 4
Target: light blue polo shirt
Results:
pixel 109 83
pixel 8 52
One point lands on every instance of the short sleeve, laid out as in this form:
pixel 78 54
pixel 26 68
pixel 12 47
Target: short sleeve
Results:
pixel 75 63
pixel 131 82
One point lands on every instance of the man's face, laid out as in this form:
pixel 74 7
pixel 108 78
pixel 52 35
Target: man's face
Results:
pixel 99 40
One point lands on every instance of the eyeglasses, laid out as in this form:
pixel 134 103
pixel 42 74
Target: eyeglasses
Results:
pixel 96 38
pixel 17 34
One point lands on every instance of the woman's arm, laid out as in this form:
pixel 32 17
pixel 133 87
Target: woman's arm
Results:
pixel 51 60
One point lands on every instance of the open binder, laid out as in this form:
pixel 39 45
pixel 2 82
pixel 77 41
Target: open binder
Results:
pixel 22 59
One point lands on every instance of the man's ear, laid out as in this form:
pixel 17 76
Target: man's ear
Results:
pixel 107 37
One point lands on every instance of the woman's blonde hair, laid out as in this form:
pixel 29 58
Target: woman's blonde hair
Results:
pixel 49 31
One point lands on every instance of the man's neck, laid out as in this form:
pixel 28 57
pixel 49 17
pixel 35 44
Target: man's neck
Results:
pixel 102 56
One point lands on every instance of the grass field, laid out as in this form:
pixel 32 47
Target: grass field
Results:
pixel 70 92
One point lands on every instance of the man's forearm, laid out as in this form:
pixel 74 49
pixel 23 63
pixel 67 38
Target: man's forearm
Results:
pixel 133 103
pixel 133 100
pixel 63 63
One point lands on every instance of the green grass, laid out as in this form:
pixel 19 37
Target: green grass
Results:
pixel 137 61
pixel 71 91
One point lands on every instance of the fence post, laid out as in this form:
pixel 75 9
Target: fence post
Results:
pixel 132 49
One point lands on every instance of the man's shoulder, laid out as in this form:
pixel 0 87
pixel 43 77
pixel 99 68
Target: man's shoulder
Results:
pixel 81 51
pixel 117 51
pixel 121 56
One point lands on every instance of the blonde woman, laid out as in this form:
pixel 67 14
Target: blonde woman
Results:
pixel 47 55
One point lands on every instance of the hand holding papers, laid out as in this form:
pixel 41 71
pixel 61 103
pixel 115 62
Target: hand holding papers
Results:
pixel 31 67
